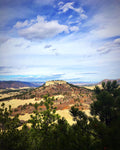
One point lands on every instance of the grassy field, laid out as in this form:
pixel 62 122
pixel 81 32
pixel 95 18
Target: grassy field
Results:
pixel 93 87
pixel 16 102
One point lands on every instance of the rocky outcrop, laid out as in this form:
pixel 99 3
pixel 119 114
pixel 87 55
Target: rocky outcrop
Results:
pixel 49 83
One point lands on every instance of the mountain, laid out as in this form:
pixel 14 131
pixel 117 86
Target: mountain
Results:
pixel 106 80
pixel 55 88
pixel 65 94
pixel 18 84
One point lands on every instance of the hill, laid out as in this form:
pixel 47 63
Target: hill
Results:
pixel 92 86
pixel 106 80
pixel 65 94
pixel 18 84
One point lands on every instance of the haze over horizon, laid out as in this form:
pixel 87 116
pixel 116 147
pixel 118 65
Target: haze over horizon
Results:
pixel 72 40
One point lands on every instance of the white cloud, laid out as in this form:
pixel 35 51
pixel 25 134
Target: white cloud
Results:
pixel 21 24
pixel 41 29
pixel 74 28
pixel 68 6
pixel 83 16
pixel 60 3
pixel 112 46
pixel 70 16
pixel 75 22
pixel 13 46
pixel 64 8
pixel 79 10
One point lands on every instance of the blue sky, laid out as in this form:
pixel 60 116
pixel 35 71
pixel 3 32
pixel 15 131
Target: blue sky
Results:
pixel 73 40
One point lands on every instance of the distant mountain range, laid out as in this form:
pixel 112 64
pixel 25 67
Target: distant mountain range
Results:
pixel 21 84
pixel 18 84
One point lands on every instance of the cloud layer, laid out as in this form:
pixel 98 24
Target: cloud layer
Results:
pixel 69 40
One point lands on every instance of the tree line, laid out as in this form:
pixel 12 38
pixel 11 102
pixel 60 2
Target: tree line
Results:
pixel 49 131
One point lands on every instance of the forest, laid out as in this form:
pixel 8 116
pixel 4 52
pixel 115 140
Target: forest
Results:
pixel 49 131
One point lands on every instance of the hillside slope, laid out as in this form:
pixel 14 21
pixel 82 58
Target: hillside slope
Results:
pixel 65 94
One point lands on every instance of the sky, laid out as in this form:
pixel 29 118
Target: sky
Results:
pixel 72 40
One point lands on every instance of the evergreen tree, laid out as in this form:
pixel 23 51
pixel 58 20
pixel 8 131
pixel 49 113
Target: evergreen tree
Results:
pixel 107 109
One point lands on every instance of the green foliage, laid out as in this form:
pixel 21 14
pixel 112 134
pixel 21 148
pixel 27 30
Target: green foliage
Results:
pixel 107 109
pixel 6 122
pixel 83 136
pixel 44 119
pixel 10 136
pixel 30 104
pixel 24 107
pixel 32 96
pixel 107 104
